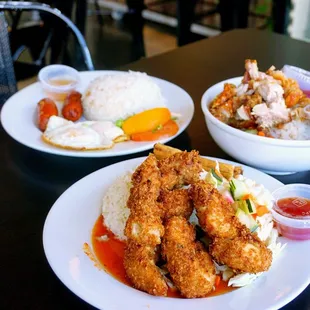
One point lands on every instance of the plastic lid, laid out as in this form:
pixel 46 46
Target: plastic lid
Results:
pixel 48 73
pixel 291 190
pixel 300 75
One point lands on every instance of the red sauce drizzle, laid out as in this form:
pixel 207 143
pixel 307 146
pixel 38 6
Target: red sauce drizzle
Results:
pixel 110 254
pixel 297 207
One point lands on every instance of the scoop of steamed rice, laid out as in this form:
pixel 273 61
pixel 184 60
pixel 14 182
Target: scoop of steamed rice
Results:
pixel 114 205
pixel 117 96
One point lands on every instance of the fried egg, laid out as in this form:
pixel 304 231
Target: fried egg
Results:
pixel 84 135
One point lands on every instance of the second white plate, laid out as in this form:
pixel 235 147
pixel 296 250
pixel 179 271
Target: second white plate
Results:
pixel 18 117
pixel 80 206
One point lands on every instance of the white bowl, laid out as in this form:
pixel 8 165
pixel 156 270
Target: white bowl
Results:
pixel 274 156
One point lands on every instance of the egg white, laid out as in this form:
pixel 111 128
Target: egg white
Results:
pixel 87 135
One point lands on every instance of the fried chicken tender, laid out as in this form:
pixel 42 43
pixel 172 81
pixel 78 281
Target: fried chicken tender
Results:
pixel 145 186
pixel 176 203
pixel 144 224
pixel 245 253
pixel 190 266
pixel 182 168
pixel 139 262
pixel 233 244
pixel 144 230
pixel 215 214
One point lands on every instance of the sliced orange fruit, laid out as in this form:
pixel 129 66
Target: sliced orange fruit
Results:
pixel 146 121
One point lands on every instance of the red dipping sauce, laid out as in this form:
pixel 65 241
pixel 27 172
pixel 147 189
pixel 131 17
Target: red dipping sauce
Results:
pixel 291 211
pixel 294 207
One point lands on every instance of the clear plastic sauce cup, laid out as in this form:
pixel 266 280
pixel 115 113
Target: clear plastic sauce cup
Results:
pixel 291 211
pixel 58 80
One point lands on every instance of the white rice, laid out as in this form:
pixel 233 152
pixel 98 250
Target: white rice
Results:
pixel 294 130
pixel 118 96
pixel 114 205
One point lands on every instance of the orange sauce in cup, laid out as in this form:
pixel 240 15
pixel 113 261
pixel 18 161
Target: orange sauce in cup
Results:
pixel 59 96
pixel 61 82
pixel 110 254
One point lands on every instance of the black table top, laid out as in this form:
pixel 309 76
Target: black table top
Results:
pixel 32 181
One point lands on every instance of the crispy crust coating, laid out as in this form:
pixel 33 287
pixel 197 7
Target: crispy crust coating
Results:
pixel 144 224
pixel 139 262
pixel 216 215
pixel 189 265
pixel 175 203
pixel 144 230
pixel 245 253
pixel 143 201
pixel 182 168
pixel 147 172
pixel 146 187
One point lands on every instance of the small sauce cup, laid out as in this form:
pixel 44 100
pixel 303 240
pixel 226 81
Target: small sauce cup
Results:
pixel 293 224
pixel 58 80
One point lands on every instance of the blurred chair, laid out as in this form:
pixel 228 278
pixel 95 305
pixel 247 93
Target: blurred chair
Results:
pixel 233 14
pixel 7 77
pixel 185 17
pixel 53 16
pixel 281 15
pixel 135 22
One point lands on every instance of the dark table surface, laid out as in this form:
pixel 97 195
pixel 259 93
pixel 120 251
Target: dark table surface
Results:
pixel 31 181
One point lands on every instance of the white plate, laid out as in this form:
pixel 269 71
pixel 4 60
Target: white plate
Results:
pixel 18 117
pixel 70 222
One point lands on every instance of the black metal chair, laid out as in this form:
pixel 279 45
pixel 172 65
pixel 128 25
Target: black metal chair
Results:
pixel 52 19
pixel 7 77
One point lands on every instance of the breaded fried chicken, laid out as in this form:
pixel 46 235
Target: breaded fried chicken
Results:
pixel 144 230
pixel 188 263
pixel 180 169
pixel 147 173
pixel 175 203
pixel 233 244
pixel 145 187
pixel 216 215
pixel 139 262
pixel 243 254
pixel 144 224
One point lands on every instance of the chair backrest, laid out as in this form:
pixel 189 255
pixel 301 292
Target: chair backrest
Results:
pixel 31 6
pixel 7 77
